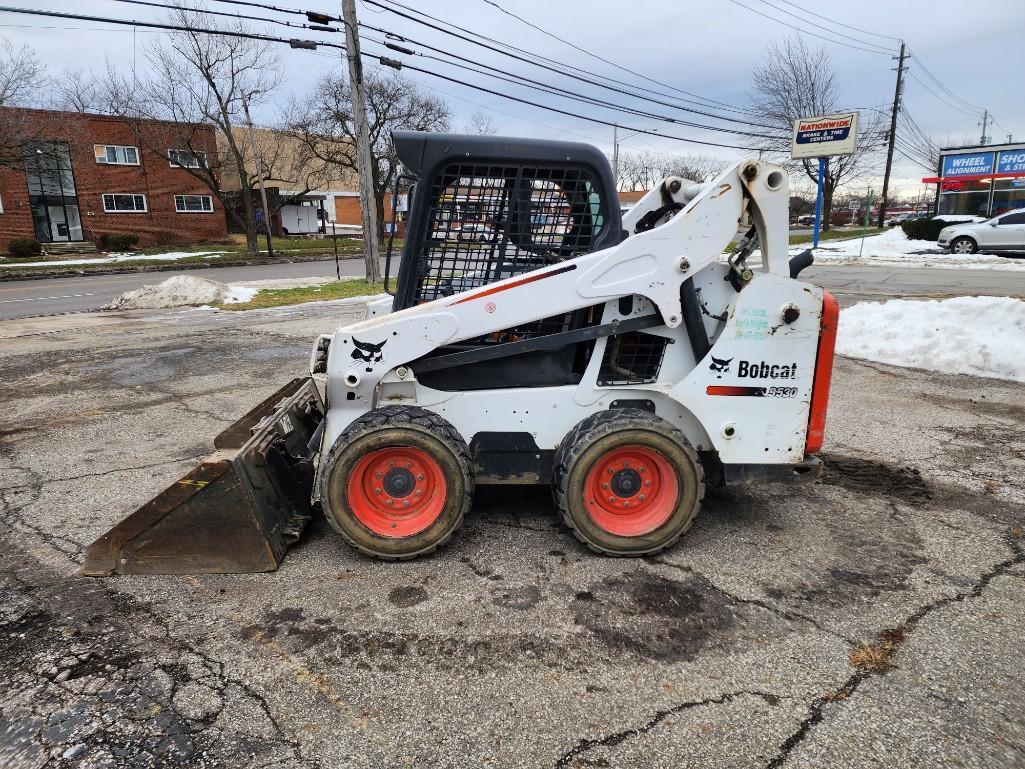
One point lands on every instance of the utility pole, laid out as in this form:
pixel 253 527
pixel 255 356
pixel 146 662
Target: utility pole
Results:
pixel 259 178
pixel 893 136
pixel 985 119
pixel 367 204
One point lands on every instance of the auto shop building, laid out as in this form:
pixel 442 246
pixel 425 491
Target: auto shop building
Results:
pixel 980 181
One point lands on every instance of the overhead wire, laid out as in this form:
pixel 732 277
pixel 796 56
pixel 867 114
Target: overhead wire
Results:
pixel 543 62
pixel 840 23
pixel 806 32
pixel 950 104
pixel 521 80
pixel 207 11
pixel 827 29
pixel 158 25
pixel 598 57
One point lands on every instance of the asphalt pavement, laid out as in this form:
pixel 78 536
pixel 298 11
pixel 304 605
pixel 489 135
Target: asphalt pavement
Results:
pixel 47 296
pixel 28 298
pixel 870 619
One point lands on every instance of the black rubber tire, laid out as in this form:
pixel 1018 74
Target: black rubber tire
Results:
pixel 397 426
pixel 592 438
pixel 973 246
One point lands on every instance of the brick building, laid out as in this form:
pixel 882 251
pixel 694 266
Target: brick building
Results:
pixel 87 175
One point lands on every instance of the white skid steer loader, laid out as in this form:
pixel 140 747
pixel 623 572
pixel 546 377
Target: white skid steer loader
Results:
pixel 535 336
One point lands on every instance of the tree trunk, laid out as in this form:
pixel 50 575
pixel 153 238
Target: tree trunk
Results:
pixel 249 221
pixel 827 205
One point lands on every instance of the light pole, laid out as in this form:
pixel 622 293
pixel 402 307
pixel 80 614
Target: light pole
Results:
pixel 615 151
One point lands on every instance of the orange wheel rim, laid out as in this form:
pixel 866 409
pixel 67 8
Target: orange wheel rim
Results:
pixel 398 491
pixel 631 491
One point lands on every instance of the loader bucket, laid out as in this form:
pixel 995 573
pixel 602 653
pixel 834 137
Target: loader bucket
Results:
pixel 239 510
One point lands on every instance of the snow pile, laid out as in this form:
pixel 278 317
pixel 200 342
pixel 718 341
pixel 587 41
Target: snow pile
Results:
pixel 979 335
pixel 892 248
pixel 180 291
pixel 169 256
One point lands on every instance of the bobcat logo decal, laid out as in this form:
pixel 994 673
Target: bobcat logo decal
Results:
pixel 366 352
pixel 720 366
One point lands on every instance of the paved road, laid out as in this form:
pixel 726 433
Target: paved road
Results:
pixel 27 298
pixel 873 619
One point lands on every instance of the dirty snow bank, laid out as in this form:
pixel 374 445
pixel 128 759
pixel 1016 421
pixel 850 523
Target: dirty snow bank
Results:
pixel 892 248
pixel 180 291
pixel 979 335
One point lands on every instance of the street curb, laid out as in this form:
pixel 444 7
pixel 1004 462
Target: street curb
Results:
pixel 78 271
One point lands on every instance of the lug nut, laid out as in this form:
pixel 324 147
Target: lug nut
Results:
pixel 420 477
pixel 405 503
pixel 377 491
pixel 378 474
pixel 389 502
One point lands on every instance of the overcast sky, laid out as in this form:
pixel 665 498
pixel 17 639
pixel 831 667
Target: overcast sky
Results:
pixel 705 47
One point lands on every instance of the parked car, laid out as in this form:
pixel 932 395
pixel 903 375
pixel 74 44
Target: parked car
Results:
pixel 1001 233
pixel 477 232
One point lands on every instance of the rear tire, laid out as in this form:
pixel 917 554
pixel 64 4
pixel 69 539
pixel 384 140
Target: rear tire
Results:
pixel 964 245
pixel 627 483
pixel 397 483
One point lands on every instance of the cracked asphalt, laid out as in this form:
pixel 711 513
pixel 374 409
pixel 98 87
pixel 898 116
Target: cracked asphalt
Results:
pixel 870 619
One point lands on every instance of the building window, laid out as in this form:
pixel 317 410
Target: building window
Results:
pixel 965 197
pixel 1 204
pixel 116 155
pixel 119 203
pixel 189 204
pixel 186 158
pixel 1008 194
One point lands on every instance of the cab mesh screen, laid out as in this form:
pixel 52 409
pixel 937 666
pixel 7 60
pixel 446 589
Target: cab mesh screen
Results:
pixel 489 222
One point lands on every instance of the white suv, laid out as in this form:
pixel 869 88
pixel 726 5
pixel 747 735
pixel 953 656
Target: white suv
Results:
pixel 1001 233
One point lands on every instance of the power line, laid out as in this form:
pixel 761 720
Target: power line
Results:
pixel 806 32
pixel 940 98
pixel 594 55
pixel 166 7
pixel 170 27
pixel 840 23
pixel 475 38
pixel 942 87
pixel 599 121
pixel 827 29
pixel 556 90
pixel 265 6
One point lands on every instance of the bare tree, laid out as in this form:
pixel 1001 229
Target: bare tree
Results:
pixel 194 82
pixel 481 124
pixel 795 82
pixel 643 170
pixel 79 91
pixel 22 76
pixel 323 122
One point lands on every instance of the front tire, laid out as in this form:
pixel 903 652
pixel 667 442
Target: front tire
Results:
pixel 627 483
pixel 397 483
pixel 964 245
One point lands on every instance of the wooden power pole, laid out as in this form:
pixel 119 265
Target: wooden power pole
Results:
pixel 883 199
pixel 364 162
pixel 259 176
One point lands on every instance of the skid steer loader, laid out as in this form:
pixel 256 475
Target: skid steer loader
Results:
pixel 535 335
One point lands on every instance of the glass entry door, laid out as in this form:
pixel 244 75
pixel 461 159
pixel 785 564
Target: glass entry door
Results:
pixel 51 190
